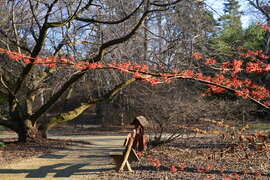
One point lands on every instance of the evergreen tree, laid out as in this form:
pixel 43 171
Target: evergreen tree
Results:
pixel 231 26
pixel 230 33
pixel 253 38
pixel 232 15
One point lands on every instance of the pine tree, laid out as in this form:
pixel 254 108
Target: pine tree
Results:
pixel 231 34
pixel 232 15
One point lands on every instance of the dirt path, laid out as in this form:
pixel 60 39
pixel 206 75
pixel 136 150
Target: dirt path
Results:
pixel 80 162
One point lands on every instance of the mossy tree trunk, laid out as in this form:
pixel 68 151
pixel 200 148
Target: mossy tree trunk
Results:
pixel 46 124
pixel 27 128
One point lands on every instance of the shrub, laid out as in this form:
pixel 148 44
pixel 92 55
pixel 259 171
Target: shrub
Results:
pixel 2 144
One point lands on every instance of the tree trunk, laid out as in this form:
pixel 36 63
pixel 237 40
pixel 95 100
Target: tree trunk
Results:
pixel 43 130
pixel 26 131
pixel 266 77
pixel 267 41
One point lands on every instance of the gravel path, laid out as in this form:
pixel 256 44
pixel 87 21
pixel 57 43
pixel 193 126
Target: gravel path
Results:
pixel 79 162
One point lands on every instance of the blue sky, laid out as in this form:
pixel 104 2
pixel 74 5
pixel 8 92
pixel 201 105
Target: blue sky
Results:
pixel 217 5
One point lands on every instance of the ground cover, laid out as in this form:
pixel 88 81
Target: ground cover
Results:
pixel 229 155
pixel 200 158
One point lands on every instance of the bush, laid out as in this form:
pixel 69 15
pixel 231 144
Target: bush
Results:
pixel 2 144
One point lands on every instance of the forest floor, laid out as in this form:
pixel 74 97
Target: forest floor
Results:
pixel 194 157
pixel 201 158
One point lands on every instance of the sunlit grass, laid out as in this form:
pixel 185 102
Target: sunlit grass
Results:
pixel 259 127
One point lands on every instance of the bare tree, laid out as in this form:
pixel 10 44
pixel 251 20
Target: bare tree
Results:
pixel 83 29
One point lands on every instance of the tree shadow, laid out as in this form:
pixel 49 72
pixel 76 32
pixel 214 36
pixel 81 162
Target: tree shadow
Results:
pixel 43 171
pixel 91 156
pixel 52 156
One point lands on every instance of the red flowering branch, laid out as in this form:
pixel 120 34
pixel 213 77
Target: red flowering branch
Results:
pixel 225 79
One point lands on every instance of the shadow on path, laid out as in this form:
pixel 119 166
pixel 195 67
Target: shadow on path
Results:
pixel 83 161
pixel 42 172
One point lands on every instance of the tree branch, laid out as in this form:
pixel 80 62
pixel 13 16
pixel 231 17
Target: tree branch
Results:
pixel 110 22
pixel 55 97
pixel 33 13
pixel 70 18
pixel 258 7
pixel 36 50
pixel 221 86
pixel 80 74
pixel 166 4
pixel 40 42
pixel 118 40
pixel 67 116
pixel 14 42
pixel 15 27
